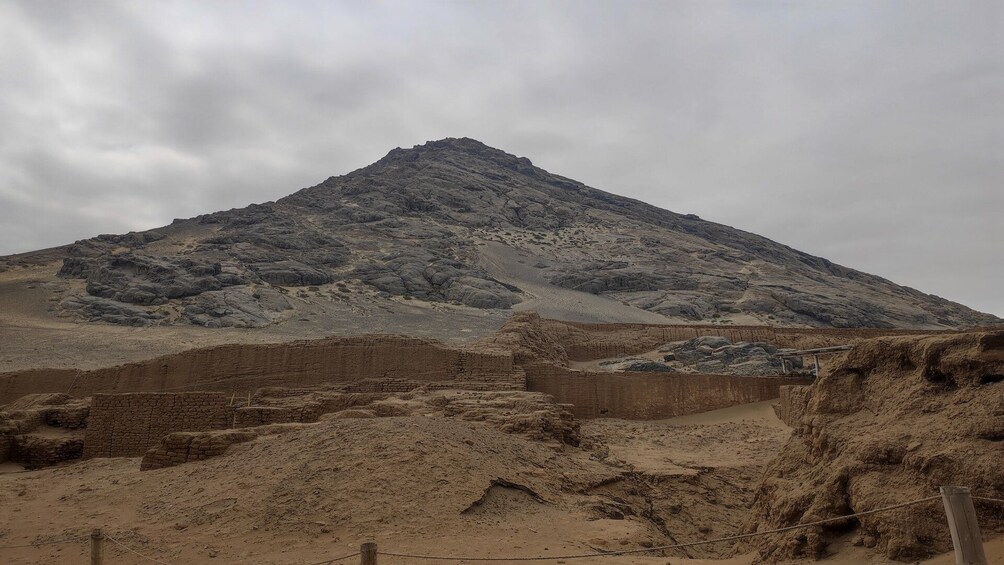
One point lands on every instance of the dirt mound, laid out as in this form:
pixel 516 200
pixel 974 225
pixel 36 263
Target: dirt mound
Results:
pixel 393 478
pixel 890 421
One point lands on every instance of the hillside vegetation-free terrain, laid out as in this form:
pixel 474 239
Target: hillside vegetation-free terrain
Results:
pixel 459 224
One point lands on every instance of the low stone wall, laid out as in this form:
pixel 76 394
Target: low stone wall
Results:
pixel 649 396
pixel 793 401
pixel 35 451
pixel 245 367
pixel 127 425
pixel 39 430
pixel 182 447
pixel 6 442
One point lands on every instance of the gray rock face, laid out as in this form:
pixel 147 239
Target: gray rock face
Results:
pixel 425 275
pixel 236 307
pixel 410 225
pixel 717 355
pixel 95 309
pixel 143 279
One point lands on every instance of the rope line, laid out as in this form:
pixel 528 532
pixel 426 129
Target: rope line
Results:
pixel 553 557
pixel 127 548
pixel 41 543
pixel 336 559
pixel 662 547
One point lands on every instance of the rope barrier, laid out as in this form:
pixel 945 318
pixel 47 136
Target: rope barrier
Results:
pixel 131 550
pixel 554 557
pixel 336 559
pixel 41 543
pixel 663 547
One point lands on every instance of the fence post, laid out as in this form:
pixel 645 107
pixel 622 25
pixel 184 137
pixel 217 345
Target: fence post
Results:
pixel 97 541
pixel 963 525
pixel 368 554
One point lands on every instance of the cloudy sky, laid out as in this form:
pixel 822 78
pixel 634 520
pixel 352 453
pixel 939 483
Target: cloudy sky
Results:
pixel 870 133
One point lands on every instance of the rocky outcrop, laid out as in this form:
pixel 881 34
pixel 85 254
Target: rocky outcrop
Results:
pixel 425 275
pixel 891 421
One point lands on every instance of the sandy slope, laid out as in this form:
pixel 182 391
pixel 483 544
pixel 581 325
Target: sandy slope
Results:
pixel 516 267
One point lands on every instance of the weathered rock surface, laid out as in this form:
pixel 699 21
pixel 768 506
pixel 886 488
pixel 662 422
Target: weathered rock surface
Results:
pixel 709 355
pixel 413 225
pixel 890 422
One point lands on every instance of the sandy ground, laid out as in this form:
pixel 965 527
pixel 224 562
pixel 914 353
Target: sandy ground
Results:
pixel 408 483
pixel 415 485
pixel 741 437
pixel 517 267
pixel 598 364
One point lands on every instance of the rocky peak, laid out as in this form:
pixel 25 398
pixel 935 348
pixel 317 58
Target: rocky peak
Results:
pixel 442 221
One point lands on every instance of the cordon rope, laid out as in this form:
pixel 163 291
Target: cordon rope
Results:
pixel 131 550
pixel 663 547
pixel 555 557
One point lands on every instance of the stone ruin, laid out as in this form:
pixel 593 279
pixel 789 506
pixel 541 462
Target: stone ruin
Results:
pixel 39 430
pixel 193 405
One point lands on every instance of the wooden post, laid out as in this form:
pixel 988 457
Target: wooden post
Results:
pixel 97 543
pixel 368 554
pixel 963 525
pixel 815 360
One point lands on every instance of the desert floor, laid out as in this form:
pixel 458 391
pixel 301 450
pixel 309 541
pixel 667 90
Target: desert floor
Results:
pixel 414 485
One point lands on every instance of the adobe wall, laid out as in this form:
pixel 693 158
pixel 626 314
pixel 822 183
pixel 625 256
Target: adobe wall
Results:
pixel 587 342
pixel 649 396
pixel 127 425
pixel 183 447
pixel 793 401
pixel 244 367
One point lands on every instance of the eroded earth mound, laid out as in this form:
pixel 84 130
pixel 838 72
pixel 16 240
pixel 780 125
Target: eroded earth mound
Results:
pixel 890 422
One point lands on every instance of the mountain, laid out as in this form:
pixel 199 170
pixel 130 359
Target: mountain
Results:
pixel 457 224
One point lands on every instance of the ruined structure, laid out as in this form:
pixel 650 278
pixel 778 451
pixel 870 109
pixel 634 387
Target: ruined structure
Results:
pixel 126 425
pixel 205 394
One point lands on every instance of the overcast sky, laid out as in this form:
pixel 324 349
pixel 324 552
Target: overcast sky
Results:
pixel 870 133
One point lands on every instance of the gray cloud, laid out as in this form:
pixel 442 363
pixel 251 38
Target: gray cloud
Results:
pixel 870 133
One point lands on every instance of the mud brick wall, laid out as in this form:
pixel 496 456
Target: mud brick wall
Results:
pixel 6 441
pixel 649 396
pixel 178 448
pixel 35 452
pixel 792 403
pixel 127 425
pixel 245 367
